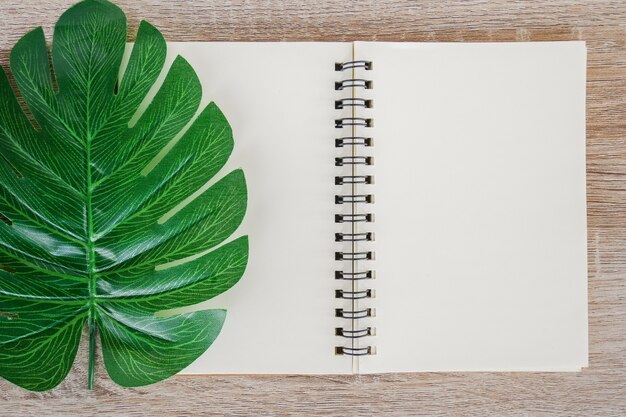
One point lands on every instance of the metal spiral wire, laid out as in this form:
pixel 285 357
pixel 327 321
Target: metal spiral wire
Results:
pixel 356 202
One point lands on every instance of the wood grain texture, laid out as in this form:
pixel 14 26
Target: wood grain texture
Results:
pixel 599 390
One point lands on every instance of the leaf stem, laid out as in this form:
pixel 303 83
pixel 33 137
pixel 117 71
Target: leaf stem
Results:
pixel 92 351
pixel 90 242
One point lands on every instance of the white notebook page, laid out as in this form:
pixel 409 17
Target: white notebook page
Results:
pixel 278 99
pixel 480 207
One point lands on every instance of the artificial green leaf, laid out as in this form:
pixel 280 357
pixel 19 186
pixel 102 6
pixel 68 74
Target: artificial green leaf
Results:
pixel 104 217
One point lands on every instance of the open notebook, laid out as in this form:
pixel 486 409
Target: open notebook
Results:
pixel 412 206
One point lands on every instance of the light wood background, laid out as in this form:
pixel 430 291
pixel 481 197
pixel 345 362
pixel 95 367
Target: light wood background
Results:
pixel 599 390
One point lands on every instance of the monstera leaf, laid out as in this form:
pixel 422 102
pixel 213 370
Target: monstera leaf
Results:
pixel 99 224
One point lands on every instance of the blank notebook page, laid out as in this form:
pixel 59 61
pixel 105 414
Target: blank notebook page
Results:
pixel 278 98
pixel 480 206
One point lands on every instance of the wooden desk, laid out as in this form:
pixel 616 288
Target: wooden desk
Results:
pixel 599 390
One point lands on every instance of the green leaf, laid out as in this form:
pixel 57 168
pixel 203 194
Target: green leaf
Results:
pixel 103 221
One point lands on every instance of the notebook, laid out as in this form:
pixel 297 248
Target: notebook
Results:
pixel 412 206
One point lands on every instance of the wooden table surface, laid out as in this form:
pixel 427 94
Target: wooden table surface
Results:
pixel 599 390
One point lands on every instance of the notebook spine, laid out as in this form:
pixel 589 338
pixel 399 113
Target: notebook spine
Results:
pixel 353 218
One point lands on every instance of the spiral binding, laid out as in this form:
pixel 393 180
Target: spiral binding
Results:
pixel 353 160
pixel 353 83
pixel 341 66
pixel 354 276
pixel 353 141
pixel 353 121
pixel 354 237
pixel 353 102
pixel 354 334
pixel 354 256
pixel 354 295
pixel 354 218
pixel 362 351
pixel 363 198
pixel 354 314
pixel 353 179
